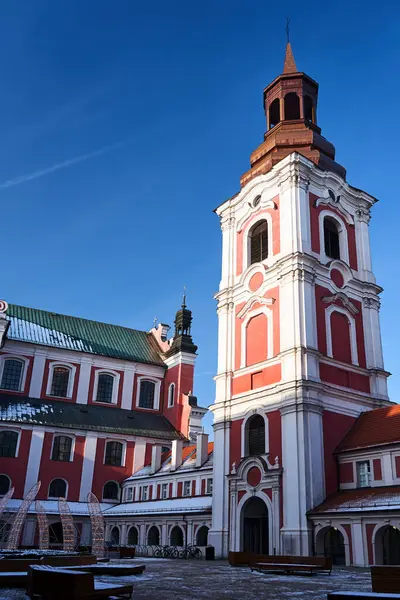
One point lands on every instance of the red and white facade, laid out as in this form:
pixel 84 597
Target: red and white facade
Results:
pixel 299 337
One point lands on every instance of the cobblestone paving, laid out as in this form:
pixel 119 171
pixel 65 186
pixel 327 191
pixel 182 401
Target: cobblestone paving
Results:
pixel 190 580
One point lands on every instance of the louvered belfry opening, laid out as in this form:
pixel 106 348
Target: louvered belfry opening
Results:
pixel 259 242
pixel 256 436
pixel 331 235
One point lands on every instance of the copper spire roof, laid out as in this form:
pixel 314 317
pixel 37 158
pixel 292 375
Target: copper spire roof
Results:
pixel 290 64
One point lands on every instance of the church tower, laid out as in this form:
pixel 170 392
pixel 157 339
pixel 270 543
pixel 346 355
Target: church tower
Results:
pixel 299 343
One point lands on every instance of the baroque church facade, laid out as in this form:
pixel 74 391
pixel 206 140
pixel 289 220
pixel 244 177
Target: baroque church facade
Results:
pixel 306 451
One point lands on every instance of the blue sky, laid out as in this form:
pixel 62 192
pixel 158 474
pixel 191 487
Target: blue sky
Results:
pixel 122 127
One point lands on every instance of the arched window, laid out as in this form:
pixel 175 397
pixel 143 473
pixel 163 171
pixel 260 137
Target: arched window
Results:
pixel 11 378
pixel 256 435
pixel 133 536
pixel 58 488
pixel 60 382
pixel 8 444
pixel 202 536
pixel 292 106
pixel 274 113
pixel 105 386
pixel 341 337
pixel 309 109
pixel 176 537
pixel 62 446
pixel 331 238
pixel 258 242
pixel 147 394
pixel 114 536
pixel 56 533
pixel 153 536
pixel 113 455
pixel 171 394
pixel 5 484
pixel 334 546
pixel 111 491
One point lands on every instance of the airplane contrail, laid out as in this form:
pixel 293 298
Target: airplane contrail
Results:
pixel 61 165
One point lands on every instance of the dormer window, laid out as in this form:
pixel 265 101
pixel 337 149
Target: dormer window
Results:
pixel 258 242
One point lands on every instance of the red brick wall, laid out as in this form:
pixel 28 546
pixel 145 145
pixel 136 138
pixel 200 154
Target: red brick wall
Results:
pixel 335 427
pixel 346 472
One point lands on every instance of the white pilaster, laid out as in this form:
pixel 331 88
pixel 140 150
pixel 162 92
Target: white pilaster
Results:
pixel 84 380
pixel 88 467
pixel 359 559
pixel 139 455
pixel 39 362
pixel 35 456
pixel 218 534
pixel 127 390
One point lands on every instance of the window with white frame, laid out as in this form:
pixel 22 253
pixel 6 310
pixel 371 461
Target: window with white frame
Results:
pixel 331 238
pixel 164 491
pixel 129 494
pixel 8 444
pixel 60 381
pixel 171 395
pixel 12 374
pixel 363 473
pixel 209 486
pixel 258 242
pixel 114 454
pixel 111 491
pixel 58 488
pixel 145 492
pixel 104 388
pixel 62 446
pixel 148 393
pixel 186 488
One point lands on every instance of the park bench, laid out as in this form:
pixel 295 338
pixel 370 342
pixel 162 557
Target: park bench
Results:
pixel 293 564
pixel 52 583
pixel 385 579
pixel 362 596
pixel 127 551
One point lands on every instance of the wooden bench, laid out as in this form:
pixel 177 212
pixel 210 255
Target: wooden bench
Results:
pixel 10 579
pixel 361 596
pixel 127 551
pixel 386 579
pixel 51 583
pixel 114 570
pixel 293 564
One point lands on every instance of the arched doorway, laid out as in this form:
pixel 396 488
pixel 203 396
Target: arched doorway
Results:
pixel 56 533
pixel 176 536
pixel 390 541
pixel 133 536
pixel 334 546
pixel 153 536
pixel 114 536
pixel 255 526
pixel 202 536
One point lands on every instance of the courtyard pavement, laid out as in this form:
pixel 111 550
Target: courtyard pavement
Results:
pixel 166 579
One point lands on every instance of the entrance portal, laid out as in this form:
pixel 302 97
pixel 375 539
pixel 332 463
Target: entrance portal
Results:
pixel 255 526
pixel 391 546
pixel 334 546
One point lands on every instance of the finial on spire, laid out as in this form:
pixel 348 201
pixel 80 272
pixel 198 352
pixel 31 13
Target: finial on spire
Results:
pixel 184 297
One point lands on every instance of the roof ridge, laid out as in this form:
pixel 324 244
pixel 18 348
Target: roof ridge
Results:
pixel 56 314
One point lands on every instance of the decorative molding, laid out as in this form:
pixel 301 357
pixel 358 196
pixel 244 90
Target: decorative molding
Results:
pixel 253 300
pixel 330 203
pixel 343 298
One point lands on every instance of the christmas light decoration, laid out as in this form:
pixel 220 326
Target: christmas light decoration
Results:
pixel 19 518
pixel 67 523
pixel 5 499
pixel 97 522
pixel 43 526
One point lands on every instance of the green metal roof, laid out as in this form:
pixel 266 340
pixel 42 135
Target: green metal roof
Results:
pixel 22 409
pixel 73 333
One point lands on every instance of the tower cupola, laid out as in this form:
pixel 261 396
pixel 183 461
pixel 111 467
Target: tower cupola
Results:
pixel 290 105
pixel 182 341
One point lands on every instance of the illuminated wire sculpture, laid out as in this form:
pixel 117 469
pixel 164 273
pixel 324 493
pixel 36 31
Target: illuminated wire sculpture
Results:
pixel 43 526
pixel 5 499
pixel 97 522
pixel 67 523
pixel 19 518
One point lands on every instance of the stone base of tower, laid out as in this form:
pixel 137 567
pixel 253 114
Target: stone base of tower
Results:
pixel 296 542
pixel 220 540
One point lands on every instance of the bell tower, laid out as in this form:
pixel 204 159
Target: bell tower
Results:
pixel 299 344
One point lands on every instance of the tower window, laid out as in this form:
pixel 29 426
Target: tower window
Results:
pixel 309 109
pixel 331 237
pixel 12 374
pixel 105 386
pixel 292 106
pixel 256 436
pixel 259 242
pixel 171 394
pixel 60 381
pixel 274 113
